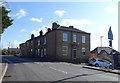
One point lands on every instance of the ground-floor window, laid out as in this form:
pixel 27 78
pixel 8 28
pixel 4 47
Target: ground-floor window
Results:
pixel 64 50
pixel 38 52
pixel 45 51
pixel 41 52
pixel 83 52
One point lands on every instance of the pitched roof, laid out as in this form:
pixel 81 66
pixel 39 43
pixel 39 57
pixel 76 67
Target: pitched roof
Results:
pixel 71 28
pixel 107 49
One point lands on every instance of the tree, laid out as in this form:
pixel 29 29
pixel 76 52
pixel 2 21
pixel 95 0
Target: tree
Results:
pixel 5 20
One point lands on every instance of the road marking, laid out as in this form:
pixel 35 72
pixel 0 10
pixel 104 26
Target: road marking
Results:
pixel 58 70
pixel 3 73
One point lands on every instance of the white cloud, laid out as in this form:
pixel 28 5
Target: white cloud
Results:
pixel 23 30
pixel 43 28
pixel 20 14
pixel 36 19
pixel 111 9
pixel 60 13
pixel 15 44
pixel 74 22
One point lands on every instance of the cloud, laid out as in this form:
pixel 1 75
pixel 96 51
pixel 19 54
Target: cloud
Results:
pixel 111 9
pixel 43 28
pixel 15 44
pixel 20 14
pixel 60 13
pixel 23 30
pixel 80 24
pixel 36 19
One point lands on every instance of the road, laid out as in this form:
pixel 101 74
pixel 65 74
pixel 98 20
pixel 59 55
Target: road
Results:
pixel 22 69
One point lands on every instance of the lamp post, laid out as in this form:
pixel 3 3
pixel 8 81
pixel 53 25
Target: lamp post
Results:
pixel 101 40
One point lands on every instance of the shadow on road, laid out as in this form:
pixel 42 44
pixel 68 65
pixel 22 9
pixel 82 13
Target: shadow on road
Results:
pixel 67 79
pixel 15 59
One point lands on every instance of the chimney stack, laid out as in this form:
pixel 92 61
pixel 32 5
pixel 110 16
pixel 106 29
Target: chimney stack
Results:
pixel 41 33
pixel 32 36
pixel 55 25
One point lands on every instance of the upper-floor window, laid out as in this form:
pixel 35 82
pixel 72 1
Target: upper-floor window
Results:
pixel 45 40
pixel 83 52
pixel 83 39
pixel 74 38
pixel 38 42
pixel 65 37
pixel 27 43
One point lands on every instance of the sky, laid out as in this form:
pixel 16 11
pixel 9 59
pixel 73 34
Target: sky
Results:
pixel 92 17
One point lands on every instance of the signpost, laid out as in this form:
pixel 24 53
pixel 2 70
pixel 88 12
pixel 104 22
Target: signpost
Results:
pixel 110 37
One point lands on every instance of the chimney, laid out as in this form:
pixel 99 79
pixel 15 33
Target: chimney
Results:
pixel 55 25
pixel 71 27
pixel 32 36
pixel 49 29
pixel 41 33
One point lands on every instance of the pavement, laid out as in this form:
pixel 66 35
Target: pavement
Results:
pixel 115 71
pixel 3 69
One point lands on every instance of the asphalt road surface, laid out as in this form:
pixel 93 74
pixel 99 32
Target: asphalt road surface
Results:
pixel 22 69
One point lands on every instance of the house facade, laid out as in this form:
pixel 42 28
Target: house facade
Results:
pixel 60 42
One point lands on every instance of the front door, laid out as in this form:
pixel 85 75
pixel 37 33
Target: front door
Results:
pixel 74 53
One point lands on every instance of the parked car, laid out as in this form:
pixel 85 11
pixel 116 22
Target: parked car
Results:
pixel 21 55
pixel 100 63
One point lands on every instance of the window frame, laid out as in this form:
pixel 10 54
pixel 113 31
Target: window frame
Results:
pixel 65 37
pixel 83 39
pixel 74 38
pixel 65 52
pixel 83 52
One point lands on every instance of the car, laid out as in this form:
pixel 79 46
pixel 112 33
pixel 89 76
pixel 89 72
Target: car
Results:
pixel 100 63
pixel 21 55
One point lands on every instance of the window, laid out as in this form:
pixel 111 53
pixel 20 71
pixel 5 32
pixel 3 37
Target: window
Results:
pixel 44 51
pixel 27 43
pixel 38 42
pixel 65 37
pixel 83 51
pixel 41 52
pixel 65 50
pixel 45 40
pixel 38 52
pixel 74 38
pixel 83 39
pixel 31 50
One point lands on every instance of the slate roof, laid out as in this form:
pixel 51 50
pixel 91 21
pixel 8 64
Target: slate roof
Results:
pixel 100 49
pixel 71 29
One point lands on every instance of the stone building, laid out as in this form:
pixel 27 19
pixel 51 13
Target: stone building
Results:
pixel 60 43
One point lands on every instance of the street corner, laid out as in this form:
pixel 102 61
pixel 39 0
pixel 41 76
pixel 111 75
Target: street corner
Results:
pixel 115 71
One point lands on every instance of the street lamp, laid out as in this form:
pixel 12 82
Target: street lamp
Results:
pixel 101 40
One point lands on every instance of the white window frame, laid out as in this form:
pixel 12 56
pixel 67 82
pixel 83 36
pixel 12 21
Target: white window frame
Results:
pixel 64 52
pixel 44 51
pixel 65 37
pixel 38 52
pixel 38 42
pixel 83 39
pixel 74 38
pixel 41 52
pixel 45 39
pixel 83 50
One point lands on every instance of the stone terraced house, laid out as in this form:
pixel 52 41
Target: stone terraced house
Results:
pixel 59 43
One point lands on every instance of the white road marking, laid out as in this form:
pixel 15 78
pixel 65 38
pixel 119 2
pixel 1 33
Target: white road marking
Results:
pixel 58 70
